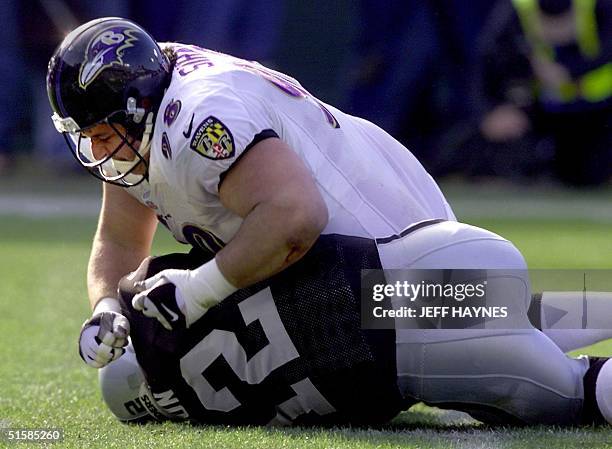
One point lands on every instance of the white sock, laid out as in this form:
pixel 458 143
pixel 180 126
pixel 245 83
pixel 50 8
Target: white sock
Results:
pixel 603 391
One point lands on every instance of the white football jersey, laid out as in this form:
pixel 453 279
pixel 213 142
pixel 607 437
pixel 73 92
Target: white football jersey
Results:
pixel 217 107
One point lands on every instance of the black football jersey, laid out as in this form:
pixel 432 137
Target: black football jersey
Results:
pixel 289 350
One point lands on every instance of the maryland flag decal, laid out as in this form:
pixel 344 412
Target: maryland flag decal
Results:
pixel 213 140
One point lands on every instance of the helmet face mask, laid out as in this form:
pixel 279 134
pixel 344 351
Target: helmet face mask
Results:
pixel 108 71
pixel 108 169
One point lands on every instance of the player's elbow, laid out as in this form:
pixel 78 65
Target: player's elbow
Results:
pixel 303 226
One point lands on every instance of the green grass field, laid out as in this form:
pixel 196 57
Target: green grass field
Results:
pixel 43 383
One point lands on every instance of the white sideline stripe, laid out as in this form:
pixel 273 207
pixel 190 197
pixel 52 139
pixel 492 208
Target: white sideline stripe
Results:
pixel 43 206
pixel 598 210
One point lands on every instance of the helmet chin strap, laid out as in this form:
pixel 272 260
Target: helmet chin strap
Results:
pixel 143 149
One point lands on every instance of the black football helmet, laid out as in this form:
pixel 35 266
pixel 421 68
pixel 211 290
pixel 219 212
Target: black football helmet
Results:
pixel 111 71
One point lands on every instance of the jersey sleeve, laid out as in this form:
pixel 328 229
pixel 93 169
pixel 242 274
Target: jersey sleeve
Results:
pixel 224 127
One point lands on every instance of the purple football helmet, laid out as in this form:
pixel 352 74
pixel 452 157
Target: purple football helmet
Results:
pixel 111 71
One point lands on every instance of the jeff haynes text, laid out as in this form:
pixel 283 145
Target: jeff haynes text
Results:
pixel 441 312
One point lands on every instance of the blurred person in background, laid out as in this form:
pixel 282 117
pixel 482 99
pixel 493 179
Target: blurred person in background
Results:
pixel 417 53
pixel 545 89
pixel 10 101
pixel 459 29
pixel 244 28
pixel 395 67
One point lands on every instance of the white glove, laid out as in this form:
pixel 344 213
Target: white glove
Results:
pixel 104 335
pixel 181 297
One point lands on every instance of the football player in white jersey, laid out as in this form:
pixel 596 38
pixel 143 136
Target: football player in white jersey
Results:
pixel 243 163
pixel 232 157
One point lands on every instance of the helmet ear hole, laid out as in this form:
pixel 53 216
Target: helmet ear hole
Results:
pixel 124 120
pixel 118 117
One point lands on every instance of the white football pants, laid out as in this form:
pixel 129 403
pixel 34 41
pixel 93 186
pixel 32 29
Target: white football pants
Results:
pixel 497 375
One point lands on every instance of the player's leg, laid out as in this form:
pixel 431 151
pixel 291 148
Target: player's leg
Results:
pixel 497 375
pixel 573 320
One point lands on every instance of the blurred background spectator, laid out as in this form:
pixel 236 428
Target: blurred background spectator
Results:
pixel 544 87
pixel 11 99
pixel 516 89
pixel 411 72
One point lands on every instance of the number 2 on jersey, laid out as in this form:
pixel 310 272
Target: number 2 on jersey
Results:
pixel 280 350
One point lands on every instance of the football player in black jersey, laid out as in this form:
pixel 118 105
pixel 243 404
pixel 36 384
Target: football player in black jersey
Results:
pixel 292 350
pixel 286 350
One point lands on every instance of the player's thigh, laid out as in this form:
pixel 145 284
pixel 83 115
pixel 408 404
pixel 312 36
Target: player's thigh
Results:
pixel 450 244
pixel 511 371
pixel 453 245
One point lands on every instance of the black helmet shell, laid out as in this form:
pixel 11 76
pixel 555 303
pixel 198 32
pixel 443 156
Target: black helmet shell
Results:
pixel 100 65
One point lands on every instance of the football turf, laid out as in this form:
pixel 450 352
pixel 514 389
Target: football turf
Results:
pixel 44 384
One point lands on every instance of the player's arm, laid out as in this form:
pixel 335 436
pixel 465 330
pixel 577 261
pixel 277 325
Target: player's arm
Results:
pixel 284 214
pixel 123 238
pixel 282 208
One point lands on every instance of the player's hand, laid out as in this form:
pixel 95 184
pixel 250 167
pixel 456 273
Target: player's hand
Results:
pixel 181 297
pixel 104 335
pixel 160 297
